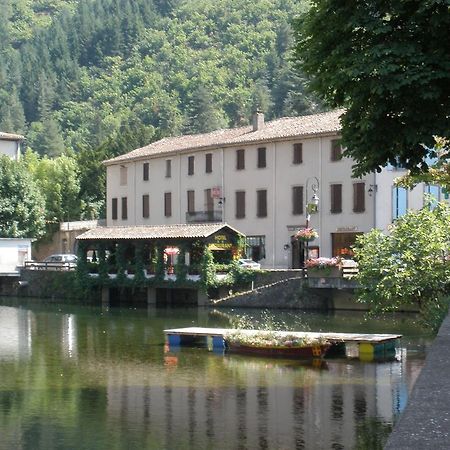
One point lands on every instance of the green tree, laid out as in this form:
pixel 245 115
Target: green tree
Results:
pixel 410 265
pixel 22 205
pixel 388 64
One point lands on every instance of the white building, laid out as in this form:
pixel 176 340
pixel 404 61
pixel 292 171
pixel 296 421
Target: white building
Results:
pixel 10 144
pixel 13 254
pixel 258 179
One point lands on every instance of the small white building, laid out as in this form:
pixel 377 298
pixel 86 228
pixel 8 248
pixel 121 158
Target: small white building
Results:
pixel 10 144
pixel 259 179
pixel 13 254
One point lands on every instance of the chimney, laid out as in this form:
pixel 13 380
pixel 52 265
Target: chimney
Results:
pixel 258 120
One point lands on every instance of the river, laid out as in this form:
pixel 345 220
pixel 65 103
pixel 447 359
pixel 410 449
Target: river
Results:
pixel 85 377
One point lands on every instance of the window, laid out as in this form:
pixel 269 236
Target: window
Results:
pixel 336 198
pixel 240 159
pixel 190 201
pixel 209 201
pixel 190 165
pixel 359 197
pixel 208 163
pixel 167 204
pixel 336 150
pixel 114 208
pixel 261 157
pixel 298 153
pixel 123 175
pixel 261 203
pixel 168 168
pixel 145 173
pixel 240 204
pixel 255 247
pixel 297 200
pixel 124 208
pixel 435 192
pixel 399 202
pixel 145 206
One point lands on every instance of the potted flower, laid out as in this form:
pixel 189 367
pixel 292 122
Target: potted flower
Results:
pixel 324 267
pixel 306 234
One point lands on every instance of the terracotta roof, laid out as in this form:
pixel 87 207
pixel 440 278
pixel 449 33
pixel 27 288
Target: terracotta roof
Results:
pixel 197 230
pixel 284 128
pixel 11 137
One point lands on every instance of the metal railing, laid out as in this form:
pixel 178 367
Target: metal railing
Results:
pixel 203 216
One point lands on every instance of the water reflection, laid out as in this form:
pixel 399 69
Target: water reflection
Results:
pixel 73 377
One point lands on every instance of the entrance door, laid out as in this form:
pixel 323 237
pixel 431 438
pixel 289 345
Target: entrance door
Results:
pixel 298 253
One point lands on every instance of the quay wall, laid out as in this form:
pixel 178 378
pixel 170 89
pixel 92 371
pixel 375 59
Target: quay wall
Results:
pixel 425 422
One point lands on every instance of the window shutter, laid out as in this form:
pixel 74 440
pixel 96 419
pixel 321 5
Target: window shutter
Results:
pixel 124 208
pixel 336 198
pixel 297 200
pixel 261 203
pixel 261 157
pixel 168 168
pixel 209 201
pixel 168 204
pixel 145 206
pixel 114 209
pixel 336 150
pixel 145 174
pixel 208 163
pixel 240 159
pixel 359 197
pixel 191 201
pixel 298 153
pixel 240 204
pixel 190 165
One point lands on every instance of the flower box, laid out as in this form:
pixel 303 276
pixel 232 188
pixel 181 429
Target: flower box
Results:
pixel 324 272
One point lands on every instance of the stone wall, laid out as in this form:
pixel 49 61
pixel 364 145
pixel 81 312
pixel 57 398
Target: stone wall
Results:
pixel 288 293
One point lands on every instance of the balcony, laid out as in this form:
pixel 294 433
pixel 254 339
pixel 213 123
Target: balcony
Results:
pixel 203 216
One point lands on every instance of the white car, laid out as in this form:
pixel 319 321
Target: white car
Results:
pixel 249 264
pixel 61 260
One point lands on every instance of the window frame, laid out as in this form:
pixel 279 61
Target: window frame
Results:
pixel 191 165
pixel 124 208
pixel 261 203
pixel 168 168
pixel 359 197
pixel 208 162
pixel 145 206
pixel 167 204
pixel 240 159
pixel 114 208
pixel 336 150
pixel 240 204
pixel 297 153
pixel 145 171
pixel 333 192
pixel 261 162
pixel 298 207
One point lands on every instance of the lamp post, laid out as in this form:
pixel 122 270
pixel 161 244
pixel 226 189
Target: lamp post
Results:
pixel 311 208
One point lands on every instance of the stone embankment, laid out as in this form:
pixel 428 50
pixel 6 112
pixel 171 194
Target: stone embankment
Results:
pixel 425 422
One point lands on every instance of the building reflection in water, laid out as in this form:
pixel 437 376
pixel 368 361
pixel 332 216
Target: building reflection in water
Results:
pixel 15 333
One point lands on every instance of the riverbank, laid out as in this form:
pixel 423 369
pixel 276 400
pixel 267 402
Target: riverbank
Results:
pixel 425 422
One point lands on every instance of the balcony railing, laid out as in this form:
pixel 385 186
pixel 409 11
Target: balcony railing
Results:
pixel 203 216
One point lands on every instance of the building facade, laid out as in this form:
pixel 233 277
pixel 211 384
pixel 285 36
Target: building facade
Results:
pixel 259 179
pixel 10 144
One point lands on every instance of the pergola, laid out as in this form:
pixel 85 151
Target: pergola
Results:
pixel 157 249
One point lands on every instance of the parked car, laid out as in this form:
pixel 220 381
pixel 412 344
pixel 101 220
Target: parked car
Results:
pixel 66 259
pixel 249 264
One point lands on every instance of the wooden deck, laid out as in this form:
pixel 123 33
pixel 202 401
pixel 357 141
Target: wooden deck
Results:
pixel 363 346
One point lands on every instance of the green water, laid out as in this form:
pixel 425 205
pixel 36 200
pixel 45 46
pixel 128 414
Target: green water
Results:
pixel 74 377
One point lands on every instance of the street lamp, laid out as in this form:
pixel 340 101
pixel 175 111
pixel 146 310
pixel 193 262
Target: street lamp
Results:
pixel 311 208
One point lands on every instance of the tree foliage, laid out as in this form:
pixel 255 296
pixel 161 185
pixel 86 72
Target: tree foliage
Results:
pixel 411 265
pixel 22 205
pixel 388 64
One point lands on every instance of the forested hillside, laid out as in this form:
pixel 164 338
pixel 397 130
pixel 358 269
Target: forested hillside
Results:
pixel 86 80
pixel 75 73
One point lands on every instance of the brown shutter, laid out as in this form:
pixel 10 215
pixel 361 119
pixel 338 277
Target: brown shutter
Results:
pixel 145 206
pixel 209 201
pixel 261 157
pixel 336 150
pixel 240 159
pixel 298 153
pixel 114 209
pixel 240 204
pixel 190 165
pixel 145 171
pixel 297 200
pixel 359 190
pixel 208 163
pixel 191 201
pixel 124 208
pixel 336 198
pixel 168 168
pixel 261 203
pixel 167 204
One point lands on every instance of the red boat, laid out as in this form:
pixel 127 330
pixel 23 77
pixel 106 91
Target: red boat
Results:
pixel 313 351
